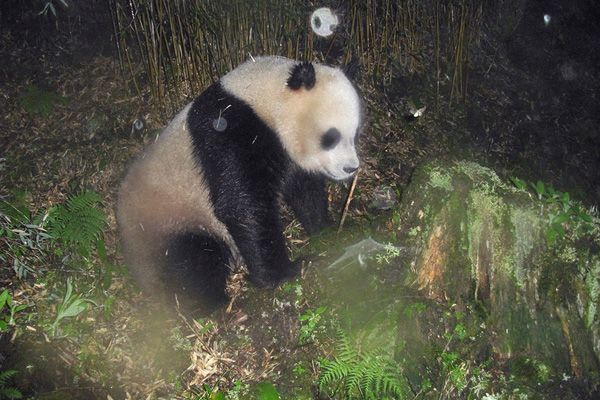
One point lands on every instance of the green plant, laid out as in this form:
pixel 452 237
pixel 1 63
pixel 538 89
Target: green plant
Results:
pixel 564 214
pixel 23 238
pixel 459 375
pixel 455 370
pixel 38 101
pixel 299 369
pixel 414 309
pixel 7 392
pixel 178 340
pixel 266 391
pixel 453 366
pixel 389 253
pixel 30 242
pixel 480 380
pixel 530 370
pixel 355 375
pixel 211 393
pixel 310 325
pixel 239 391
pixel 71 306
pixel 8 310
pixel 79 222
pixel 296 288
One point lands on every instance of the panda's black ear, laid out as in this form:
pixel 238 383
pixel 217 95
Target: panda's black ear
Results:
pixel 302 75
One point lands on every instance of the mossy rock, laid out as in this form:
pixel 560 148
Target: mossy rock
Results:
pixel 477 240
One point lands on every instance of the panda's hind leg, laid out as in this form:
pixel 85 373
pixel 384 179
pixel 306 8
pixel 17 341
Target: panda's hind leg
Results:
pixel 196 269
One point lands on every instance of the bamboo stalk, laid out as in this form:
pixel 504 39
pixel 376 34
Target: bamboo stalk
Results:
pixel 185 45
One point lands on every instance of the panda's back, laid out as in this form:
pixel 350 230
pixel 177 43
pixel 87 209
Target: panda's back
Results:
pixel 164 194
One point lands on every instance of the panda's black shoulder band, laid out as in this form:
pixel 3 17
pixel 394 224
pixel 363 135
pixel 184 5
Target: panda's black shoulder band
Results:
pixel 302 75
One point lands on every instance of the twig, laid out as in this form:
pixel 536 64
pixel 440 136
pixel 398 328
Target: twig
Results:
pixel 348 200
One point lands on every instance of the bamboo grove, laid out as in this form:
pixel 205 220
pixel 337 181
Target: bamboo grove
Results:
pixel 183 46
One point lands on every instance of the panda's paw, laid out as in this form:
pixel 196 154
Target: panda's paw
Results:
pixel 271 278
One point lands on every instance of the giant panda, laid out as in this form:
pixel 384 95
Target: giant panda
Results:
pixel 205 196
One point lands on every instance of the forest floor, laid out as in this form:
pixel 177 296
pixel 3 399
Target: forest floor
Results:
pixel 67 126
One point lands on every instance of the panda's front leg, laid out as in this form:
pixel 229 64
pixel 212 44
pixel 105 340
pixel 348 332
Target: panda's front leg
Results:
pixel 258 235
pixel 307 195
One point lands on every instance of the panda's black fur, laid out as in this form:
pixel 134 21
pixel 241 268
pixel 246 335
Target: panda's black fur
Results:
pixel 245 169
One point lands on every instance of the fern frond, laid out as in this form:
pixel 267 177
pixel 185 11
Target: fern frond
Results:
pixel 6 375
pixel 391 383
pixel 372 382
pixel 353 381
pixel 10 393
pixel 332 371
pixel 79 222
pixel 371 375
pixel 344 349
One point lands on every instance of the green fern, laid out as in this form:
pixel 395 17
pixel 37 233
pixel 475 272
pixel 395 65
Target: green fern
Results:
pixel 79 222
pixel 367 376
pixel 8 392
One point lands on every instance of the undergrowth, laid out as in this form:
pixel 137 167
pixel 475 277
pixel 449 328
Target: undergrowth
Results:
pixel 79 222
pixel 361 375
pixel 38 101
pixel 24 240
pixel 6 390
pixel 47 248
pixel 30 241
pixel 565 215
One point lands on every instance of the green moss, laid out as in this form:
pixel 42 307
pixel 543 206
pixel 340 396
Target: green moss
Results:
pixel 491 251
pixel 480 175
pixel 592 284
pixel 568 254
pixel 414 231
pixel 525 223
pixel 531 371
pixel 484 215
pixel 440 179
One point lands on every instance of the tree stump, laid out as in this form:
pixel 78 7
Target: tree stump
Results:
pixel 533 273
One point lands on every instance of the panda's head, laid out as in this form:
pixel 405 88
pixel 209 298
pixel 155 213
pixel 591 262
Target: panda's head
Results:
pixel 313 108
pixel 323 127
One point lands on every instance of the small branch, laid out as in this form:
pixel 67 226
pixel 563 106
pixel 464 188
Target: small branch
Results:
pixel 348 200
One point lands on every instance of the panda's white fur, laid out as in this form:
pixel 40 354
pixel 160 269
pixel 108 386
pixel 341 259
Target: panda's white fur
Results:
pixel 296 117
pixel 201 199
pixel 163 193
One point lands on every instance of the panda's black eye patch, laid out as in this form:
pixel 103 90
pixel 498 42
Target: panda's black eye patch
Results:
pixel 330 139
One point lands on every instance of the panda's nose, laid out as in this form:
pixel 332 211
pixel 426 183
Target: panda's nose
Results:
pixel 350 170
